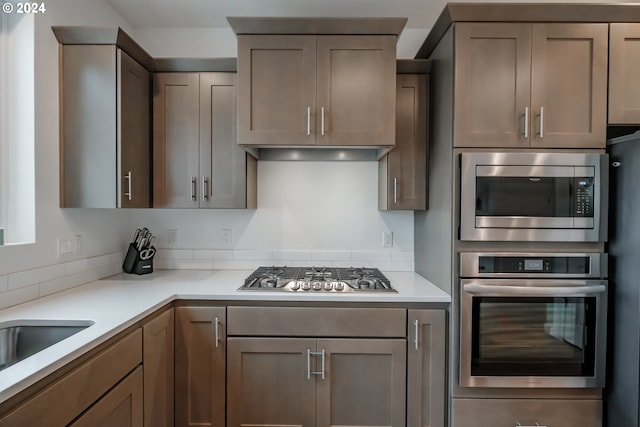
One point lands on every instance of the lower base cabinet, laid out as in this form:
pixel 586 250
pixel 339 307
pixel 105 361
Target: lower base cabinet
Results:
pixel 121 407
pixel 90 388
pixel 527 412
pixel 200 349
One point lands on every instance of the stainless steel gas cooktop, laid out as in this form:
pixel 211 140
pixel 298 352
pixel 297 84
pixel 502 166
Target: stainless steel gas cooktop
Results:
pixel 317 279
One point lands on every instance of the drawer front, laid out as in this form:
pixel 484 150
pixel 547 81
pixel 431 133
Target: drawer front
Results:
pixel 315 321
pixel 526 412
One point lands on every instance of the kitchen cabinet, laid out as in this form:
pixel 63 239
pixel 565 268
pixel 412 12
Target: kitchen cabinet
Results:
pixel 402 173
pixel 120 407
pixel 196 161
pixel 325 90
pixel 426 362
pixel 283 371
pixel 200 351
pixel 68 397
pixel 527 85
pixel 527 412
pixel 158 356
pixel 624 62
pixel 105 128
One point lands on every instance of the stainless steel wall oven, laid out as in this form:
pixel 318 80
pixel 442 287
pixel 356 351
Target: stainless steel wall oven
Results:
pixel 532 320
pixel 533 196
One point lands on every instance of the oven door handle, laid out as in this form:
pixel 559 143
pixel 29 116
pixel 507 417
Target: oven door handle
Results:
pixel 550 291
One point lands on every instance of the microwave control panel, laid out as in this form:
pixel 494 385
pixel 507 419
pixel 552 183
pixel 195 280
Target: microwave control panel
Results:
pixel 583 201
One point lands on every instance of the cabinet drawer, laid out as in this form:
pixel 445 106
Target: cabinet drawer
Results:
pixel 65 399
pixel 314 321
pixel 526 412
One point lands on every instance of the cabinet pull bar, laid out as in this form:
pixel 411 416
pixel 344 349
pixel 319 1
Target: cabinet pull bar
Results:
pixel 322 120
pixel 193 188
pixel 129 178
pixel 417 330
pixel 205 188
pixel 395 191
pixel 526 122
pixel 321 371
pixel 308 121
pixel 541 122
pixel 520 425
pixel 217 331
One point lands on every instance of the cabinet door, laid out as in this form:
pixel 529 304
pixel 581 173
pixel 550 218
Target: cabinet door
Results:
pixel 270 382
pixel 175 140
pixel 223 163
pixel 492 85
pixel 364 382
pixel 356 90
pixel 157 350
pixel 276 90
pixel 569 85
pixel 120 407
pixel 426 368
pixel 134 136
pixel 200 366
pixel 624 63
pixel 403 172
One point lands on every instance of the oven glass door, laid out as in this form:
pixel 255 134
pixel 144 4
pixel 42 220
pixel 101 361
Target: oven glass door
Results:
pixel 533 336
pixel 532 332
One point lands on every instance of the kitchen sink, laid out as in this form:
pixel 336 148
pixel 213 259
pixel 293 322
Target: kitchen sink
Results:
pixel 23 338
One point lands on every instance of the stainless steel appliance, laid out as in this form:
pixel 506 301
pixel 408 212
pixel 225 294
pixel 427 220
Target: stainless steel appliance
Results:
pixel 533 196
pixel 533 320
pixel 317 279
pixel 622 391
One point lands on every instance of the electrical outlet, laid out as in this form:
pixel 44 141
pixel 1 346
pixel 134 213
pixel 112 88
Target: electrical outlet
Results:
pixel 173 237
pixel 226 237
pixel 387 239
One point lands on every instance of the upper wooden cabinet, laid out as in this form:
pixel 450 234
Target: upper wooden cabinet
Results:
pixel 330 90
pixel 196 160
pixel 402 174
pixel 105 135
pixel 530 85
pixel 624 63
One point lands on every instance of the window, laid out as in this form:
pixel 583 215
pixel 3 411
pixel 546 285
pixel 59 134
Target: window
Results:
pixel 17 128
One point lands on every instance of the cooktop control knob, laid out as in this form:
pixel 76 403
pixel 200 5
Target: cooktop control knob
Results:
pixel 338 286
pixel 328 286
pixel 295 285
pixel 316 286
pixel 305 286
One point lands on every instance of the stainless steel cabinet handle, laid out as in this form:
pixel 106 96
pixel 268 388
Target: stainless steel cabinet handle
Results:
pixel 193 188
pixel 322 120
pixel 526 122
pixel 205 188
pixel 322 369
pixel 217 331
pixel 395 191
pixel 520 425
pixel 129 178
pixel 417 331
pixel 308 121
pixel 541 122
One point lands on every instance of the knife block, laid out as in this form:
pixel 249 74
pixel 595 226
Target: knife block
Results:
pixel 134 264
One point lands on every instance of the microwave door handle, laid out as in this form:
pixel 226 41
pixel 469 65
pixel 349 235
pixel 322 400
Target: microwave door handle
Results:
pixel 496 290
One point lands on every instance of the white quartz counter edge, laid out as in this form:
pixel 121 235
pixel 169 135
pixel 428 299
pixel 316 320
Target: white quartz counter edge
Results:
pixel 117 302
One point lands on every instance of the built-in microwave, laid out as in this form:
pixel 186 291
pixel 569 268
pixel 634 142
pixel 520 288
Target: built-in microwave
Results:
pixel 533 196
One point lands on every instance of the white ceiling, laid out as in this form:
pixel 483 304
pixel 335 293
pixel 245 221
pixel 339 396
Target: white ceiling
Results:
pixel 212 13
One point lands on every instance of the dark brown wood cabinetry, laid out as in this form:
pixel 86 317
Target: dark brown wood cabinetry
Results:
pixel 624 63
pixel 197 162
pixel 298 90
pixel 527 85
pixel 200 366
pixel 105 135
pixel 402 173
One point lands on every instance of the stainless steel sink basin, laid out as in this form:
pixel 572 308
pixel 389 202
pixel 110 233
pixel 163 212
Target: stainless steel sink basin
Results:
pixel 23 338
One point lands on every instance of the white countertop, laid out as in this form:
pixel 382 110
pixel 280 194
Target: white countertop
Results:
pixel 117 302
